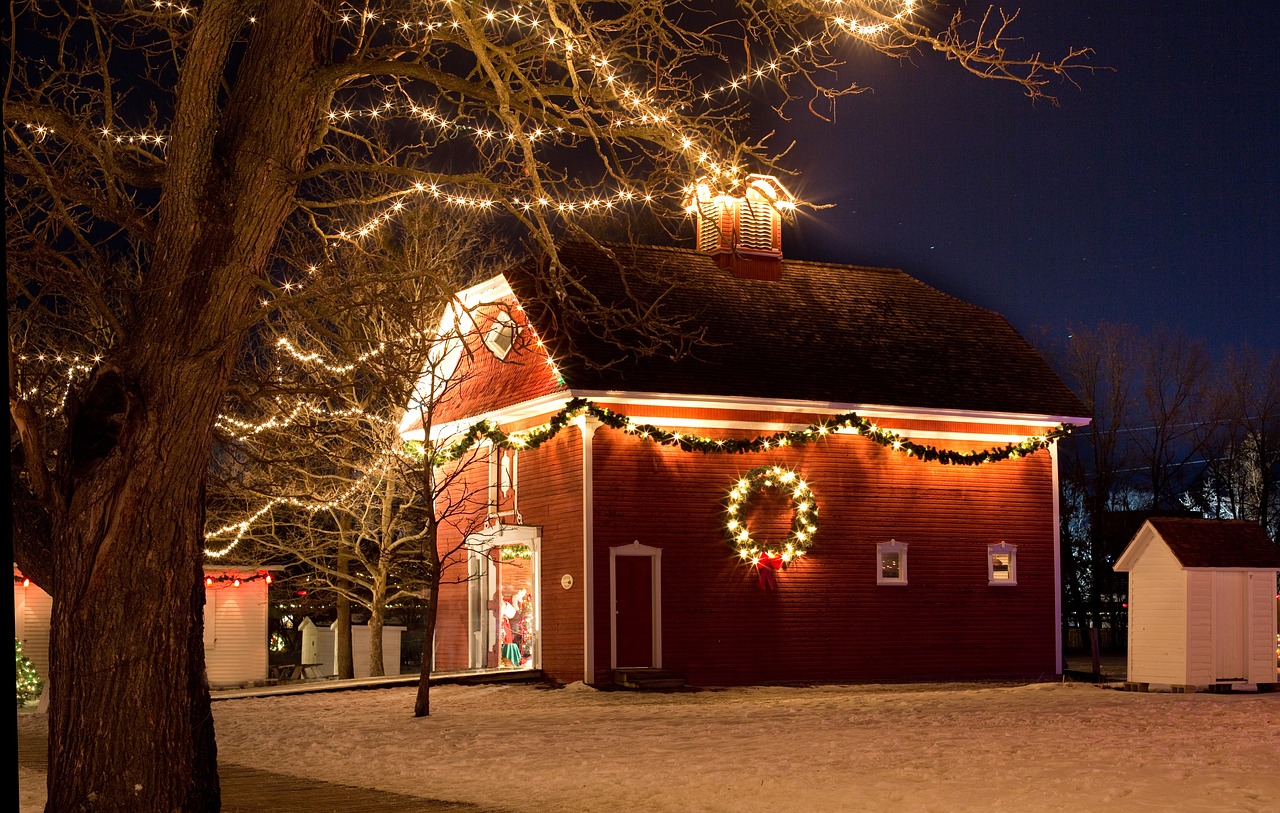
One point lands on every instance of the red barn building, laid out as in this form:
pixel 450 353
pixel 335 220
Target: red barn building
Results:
pixel 632 532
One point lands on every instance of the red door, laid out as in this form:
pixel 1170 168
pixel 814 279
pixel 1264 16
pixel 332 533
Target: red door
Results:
pixel 633 609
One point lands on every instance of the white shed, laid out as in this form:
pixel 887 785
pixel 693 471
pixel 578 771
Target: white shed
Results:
pixel 235 625
pixel 32 608
pixel 1202 607
pixel 320 645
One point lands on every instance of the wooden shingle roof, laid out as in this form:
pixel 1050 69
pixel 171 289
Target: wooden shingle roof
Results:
pixel 1215 543
pixel 823 332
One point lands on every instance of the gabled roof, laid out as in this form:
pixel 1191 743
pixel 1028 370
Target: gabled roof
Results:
pixel 1208 543
pixel 823 332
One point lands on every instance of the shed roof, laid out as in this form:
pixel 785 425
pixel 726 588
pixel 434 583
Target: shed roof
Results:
pixel 1216 543
pixel 823 332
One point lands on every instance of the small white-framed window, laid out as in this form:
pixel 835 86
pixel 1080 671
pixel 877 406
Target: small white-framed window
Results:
pixel 1002 564
pixel 891 562
pixel 501 335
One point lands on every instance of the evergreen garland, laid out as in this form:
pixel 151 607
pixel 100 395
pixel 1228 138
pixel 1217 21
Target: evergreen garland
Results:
pixel 533 438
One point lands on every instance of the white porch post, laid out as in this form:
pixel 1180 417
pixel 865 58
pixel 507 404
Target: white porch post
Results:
pixel 588 425
pixel 1057 559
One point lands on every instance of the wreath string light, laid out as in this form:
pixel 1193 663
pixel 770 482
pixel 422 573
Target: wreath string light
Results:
pixel 804 518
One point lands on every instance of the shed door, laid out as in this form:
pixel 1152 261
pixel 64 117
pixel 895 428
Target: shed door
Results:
pixel 634 611
pixel 1230 626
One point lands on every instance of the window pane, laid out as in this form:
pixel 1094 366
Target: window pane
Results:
pixel 1000 566
pixel 890 566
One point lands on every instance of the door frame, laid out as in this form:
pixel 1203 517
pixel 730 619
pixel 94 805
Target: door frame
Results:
pixel 655 577
pixel 1241 585
pixel 478 546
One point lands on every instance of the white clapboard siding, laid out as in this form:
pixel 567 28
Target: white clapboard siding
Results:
pixel 31 609
pixel 236 633
pixel 1262 626
pixel 1158 630
pixel 360 650
pixel 320 646
pixel 235 636
pixel 1199 615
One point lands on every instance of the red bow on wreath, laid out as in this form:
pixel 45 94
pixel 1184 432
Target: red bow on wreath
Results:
pixel 767 567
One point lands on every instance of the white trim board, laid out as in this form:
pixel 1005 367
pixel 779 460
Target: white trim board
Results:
pixel 547 404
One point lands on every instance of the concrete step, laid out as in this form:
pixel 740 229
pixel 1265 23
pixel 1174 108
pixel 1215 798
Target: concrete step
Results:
pixel 647 679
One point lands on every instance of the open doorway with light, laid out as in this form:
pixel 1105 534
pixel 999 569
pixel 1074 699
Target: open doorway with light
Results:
pixel 504 601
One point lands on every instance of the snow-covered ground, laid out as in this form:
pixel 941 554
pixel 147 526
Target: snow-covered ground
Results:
pixel 1042 747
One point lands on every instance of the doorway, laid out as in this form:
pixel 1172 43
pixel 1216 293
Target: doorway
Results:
pixel 1230 625
pixel 635 588
pixel 504 602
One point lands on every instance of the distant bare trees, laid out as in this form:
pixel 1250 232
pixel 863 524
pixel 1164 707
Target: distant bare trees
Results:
pixel 1241 444
pixel 1174 431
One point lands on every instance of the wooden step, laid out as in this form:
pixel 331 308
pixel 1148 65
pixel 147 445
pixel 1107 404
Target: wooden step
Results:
pixel 647 679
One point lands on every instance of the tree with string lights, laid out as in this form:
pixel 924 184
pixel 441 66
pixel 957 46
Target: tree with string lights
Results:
pixel 313 472
pixel 176 172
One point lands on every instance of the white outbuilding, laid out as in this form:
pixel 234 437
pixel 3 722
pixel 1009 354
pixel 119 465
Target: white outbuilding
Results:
pixel 235 624
pixel 1202 603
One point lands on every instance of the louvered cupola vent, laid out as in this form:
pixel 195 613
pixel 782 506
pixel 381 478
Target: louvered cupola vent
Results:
pixel 741 226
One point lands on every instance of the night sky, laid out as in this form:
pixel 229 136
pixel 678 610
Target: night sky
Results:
pixel 1149 196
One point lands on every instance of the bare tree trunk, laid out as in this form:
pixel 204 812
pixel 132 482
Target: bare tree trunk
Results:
pixel 422 703
pixel 379 574
pixel 127 648
pixel 205 790
pixel 346 666
pixel 342 626
pixel 377 614
pixel 126 651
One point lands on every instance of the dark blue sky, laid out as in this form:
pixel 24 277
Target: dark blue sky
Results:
pixel 1149 196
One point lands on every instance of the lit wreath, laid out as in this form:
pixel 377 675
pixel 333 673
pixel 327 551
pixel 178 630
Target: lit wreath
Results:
pixel 804 521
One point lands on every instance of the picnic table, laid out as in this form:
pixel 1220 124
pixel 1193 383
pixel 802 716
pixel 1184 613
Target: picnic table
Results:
pixel 294 671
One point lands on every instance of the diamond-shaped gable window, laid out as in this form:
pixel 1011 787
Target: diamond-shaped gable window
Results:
pixel 501 335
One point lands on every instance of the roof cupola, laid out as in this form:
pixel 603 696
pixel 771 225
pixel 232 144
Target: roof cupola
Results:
pixel 740 223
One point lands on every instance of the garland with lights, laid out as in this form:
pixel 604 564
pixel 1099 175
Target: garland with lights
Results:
pixel 804 519
pixel 236 580
pixel 513 552
pixel 487 430
pixel 533 438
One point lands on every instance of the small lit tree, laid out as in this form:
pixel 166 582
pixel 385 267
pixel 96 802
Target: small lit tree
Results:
pixel 29 682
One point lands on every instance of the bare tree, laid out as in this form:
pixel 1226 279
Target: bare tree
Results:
pixel 1170 413
pixel 1241 445
pixel 1099 365
pixel 1170 433
pixel 166 165
pixel 315 410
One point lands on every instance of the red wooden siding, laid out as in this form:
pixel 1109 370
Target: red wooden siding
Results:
pixel 483 382
pixel 829 620
pixel 452 623
pixel 550 495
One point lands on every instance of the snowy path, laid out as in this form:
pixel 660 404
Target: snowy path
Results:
pixel 1043 747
